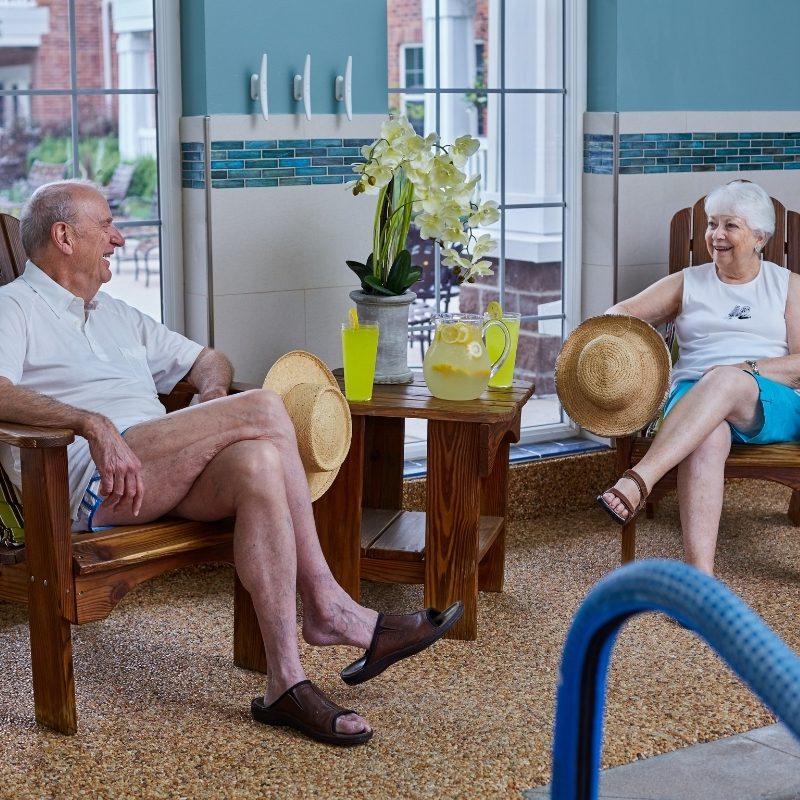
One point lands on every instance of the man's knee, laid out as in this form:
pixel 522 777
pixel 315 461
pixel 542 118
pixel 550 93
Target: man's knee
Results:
pixel 256 466
pixel 267 409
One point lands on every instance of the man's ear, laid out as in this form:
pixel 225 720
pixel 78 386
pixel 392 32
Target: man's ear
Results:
pixel 63 237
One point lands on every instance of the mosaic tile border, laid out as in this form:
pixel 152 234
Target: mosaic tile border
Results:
pixel 659 153
pixel 271 163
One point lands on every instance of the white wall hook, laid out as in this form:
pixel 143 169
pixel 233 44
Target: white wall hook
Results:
pixel 343 88
pixel 302 86
pixel 258 86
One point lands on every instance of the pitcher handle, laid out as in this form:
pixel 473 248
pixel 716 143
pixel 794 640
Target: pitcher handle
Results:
pixel 506 347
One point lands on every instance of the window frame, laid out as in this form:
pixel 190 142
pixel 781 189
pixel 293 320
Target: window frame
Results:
pixel 574 60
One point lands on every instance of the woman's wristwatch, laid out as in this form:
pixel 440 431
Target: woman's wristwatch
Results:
pixel 753 366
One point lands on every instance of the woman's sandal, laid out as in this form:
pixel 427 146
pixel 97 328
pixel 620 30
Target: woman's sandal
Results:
pixel 306 709
pixel 634 476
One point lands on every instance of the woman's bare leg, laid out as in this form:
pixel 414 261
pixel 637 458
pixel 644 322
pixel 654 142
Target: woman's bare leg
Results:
pixel 724 394
pixel 700 489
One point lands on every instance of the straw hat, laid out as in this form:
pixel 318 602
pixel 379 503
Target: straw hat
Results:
pixel 319 412
pixel 612 374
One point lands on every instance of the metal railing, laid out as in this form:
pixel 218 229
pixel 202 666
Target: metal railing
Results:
pixel 701 603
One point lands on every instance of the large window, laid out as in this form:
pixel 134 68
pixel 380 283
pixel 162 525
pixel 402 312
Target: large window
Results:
pixel 496 69
pixel 79 98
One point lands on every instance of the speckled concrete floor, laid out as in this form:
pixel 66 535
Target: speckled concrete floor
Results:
pixel 163 713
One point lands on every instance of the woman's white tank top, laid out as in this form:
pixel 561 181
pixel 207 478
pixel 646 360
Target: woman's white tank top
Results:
pixel 726 323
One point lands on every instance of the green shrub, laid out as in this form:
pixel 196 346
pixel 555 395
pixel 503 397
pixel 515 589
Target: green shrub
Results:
pixel 51 150
pixel 145 178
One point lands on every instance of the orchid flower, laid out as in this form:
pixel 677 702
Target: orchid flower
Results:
pixel 419 180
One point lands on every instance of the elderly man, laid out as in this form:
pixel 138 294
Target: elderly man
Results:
pixel 74 357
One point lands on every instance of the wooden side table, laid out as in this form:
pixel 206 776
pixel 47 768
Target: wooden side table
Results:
pixel 458 545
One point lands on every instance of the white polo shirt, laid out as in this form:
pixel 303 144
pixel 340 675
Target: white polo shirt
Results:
pixel 115 362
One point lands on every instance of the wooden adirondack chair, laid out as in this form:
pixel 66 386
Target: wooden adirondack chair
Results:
pixel 775 462
pixel 68 579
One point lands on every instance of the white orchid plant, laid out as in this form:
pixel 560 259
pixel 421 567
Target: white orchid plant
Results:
pixel 420 180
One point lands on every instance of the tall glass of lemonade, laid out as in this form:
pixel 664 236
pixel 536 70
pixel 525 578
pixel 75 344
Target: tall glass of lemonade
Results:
pixel 359 354
pixel 495 341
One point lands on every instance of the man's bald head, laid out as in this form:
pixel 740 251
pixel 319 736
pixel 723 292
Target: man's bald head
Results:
pixel 49 204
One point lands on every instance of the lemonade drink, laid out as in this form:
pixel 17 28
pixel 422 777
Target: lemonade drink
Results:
pixel 456 366
pixel 495 342
pixel 359 353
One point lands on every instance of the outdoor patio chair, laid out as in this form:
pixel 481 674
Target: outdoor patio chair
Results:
pixel 773 462
pixel 116 190
pixel 69 579
pixel 42 172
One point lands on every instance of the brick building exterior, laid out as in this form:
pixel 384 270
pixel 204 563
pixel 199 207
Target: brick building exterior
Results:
pixel 51 69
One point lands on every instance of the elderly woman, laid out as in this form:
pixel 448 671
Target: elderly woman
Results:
pixel 737 322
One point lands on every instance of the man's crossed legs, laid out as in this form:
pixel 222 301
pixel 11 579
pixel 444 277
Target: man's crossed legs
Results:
pixel 237 456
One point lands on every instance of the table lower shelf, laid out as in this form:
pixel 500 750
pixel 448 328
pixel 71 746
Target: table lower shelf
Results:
pixel 393 544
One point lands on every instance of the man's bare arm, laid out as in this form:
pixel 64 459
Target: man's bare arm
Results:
pixel 119 468
pixel 211 374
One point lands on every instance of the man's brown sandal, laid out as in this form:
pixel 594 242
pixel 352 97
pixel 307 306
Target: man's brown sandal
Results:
pixel 306 709
pixel 634 476
pixel 399 636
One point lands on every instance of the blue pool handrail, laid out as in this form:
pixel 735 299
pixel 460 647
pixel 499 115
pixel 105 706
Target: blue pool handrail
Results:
pixel 701 603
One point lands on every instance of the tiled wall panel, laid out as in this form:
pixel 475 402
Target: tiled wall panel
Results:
pixel 280 225
pixel 666 162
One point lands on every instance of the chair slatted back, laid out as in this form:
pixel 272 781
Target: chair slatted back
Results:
pixel 12 254
pixel 687 246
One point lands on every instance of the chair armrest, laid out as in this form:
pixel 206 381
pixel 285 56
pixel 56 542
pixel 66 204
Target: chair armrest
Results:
pixel 33 436
pixel 180 396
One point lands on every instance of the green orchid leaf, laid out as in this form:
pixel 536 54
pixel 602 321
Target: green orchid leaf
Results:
pixel 373 286
pixel 360 269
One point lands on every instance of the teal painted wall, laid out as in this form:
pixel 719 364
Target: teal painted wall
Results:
pixel 693 55
pixel 601 56
pixel 193 55
pixel 222 42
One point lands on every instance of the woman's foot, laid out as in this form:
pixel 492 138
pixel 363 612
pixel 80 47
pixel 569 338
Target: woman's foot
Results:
pixel 626 498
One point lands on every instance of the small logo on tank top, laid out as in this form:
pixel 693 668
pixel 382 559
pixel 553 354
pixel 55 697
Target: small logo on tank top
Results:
pixel 739 312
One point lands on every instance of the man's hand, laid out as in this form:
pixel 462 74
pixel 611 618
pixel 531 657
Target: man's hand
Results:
pixel 120 469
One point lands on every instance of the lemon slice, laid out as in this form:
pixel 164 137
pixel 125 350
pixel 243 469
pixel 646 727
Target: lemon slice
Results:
pixel 494 310
pixel 462 332
pixel 353 316
pixel 449 333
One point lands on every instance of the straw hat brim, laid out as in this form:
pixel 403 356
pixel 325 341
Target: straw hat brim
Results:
pixel 647 385
pixel 300 367
pixel 297 366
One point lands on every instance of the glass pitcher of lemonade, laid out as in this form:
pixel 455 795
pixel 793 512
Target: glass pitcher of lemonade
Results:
pixel 456 365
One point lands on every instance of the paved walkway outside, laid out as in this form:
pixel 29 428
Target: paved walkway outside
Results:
pixel 759 765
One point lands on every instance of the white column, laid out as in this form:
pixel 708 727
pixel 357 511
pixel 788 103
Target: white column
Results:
pixel 136 114
pixel 532 135
pixel 457 66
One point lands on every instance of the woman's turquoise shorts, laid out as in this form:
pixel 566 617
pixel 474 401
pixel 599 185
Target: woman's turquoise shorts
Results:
pixel 781 405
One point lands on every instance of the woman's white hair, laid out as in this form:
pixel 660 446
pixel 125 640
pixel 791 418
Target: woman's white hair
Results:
pixel 743 199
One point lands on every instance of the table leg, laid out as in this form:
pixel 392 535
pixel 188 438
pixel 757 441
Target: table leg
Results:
pixel 383 461
pixel 494 494
pixel 338 517
pixel 452 521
